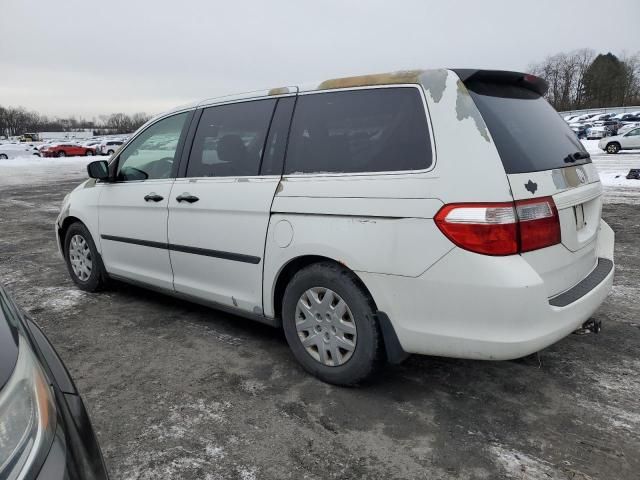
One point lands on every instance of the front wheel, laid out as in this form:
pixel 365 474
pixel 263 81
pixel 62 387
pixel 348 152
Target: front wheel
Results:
pixel 3 156
pixel 110 152
pixel 613 148
pixel 83 261
pixel 88 153
pixel 61 154
pixel 330 324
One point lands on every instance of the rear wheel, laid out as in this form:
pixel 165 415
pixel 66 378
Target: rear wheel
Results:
pixel 330 324
pixel 110 152
pixel 613 148
pixel 88 153
pixel 83 261
pixel 61 154
pixel 3 156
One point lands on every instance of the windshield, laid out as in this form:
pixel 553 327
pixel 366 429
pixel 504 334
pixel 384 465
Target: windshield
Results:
pixel 529 134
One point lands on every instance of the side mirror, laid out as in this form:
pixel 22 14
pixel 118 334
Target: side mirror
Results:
pixel 98 169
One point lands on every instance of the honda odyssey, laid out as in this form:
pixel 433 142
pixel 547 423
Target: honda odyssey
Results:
pixel 436 212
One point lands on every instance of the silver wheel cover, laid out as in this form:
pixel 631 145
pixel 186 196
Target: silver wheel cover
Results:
pixel 80 257
pixel 326 327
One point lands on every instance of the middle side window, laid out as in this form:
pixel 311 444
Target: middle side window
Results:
pixel 230 139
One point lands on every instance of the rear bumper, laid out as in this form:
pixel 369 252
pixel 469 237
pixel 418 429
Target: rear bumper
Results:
pixel 490 308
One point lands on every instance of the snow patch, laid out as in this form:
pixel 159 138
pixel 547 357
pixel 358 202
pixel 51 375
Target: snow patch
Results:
pixel 184 417
pixel 32 170
pixel 252 387
pixel 60 299
pixel 247 473
pixel 522 466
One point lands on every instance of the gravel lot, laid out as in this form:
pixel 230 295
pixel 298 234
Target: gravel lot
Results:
pixel 179 391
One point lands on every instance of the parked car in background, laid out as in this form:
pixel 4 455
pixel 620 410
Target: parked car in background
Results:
pixel 627 141
pixel 29 137
pixel 13 150
pixel 92 144
pixel 627 127
pixel 109 147
pixel 596 132
pixel 622 116
pixel 582 118
pixel 600 117
pixel 610 126
pixel 67 150
pixel 580 129
pixel 45 431
pixel 202 204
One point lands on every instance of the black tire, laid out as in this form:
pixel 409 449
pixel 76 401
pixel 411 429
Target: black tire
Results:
pixel 110 152
pixel 97 279
pixel 367 357
pixel 61 154
pixel 88 153
pixel 612 147
pixel 3 156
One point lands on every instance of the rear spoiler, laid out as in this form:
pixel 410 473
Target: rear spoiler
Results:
pixel 525 80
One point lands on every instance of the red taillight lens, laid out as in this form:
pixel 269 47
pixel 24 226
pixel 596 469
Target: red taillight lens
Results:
pixel 501 228
pixel 489 228
pixel 539 223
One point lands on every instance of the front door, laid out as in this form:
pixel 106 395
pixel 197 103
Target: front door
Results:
pixel 219 213
pixel 133 209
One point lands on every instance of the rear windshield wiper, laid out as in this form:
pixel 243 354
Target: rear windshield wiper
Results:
pixel 574 157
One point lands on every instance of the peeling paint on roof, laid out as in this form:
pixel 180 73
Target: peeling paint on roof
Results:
pixel 279 91
pixel 466 108
pixel 434 82
pixel 402 76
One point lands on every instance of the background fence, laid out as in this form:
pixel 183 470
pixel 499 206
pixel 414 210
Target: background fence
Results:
pixel 601 110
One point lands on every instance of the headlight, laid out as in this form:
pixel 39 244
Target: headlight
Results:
pixel 27 416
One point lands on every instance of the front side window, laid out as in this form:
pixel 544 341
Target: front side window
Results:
pixel 230 139
pixel 372 130
pixel 151 155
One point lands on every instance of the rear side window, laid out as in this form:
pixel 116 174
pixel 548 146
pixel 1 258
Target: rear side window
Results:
pixel 529 134
pixel 373 130
pixel 230 139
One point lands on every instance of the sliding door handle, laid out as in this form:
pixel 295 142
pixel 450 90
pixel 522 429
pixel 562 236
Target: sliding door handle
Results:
pixel 153 197
pixel 187 197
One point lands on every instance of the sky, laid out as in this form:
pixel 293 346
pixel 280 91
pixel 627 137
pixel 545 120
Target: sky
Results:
pixel 88 58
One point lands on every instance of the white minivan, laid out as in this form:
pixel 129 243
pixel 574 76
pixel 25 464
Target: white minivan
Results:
pixel 436 212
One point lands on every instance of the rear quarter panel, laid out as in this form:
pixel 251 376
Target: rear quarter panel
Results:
pixel 383 222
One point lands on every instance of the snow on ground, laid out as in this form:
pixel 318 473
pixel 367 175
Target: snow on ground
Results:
pixel 33 170
pixel 613 170
pixel 36 171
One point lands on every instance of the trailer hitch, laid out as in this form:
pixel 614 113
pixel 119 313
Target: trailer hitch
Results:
pixel 590 326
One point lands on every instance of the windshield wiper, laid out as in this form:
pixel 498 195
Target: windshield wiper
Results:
pixel 574 157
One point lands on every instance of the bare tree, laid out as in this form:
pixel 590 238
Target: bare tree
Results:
pixel 564 72
pixel 16 121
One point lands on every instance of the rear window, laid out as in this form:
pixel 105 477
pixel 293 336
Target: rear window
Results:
pixel 529 134
pixel 373 130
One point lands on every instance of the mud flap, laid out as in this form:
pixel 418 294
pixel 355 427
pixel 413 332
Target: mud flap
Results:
pixel 393 349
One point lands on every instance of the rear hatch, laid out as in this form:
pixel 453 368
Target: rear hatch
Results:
pixel 543 158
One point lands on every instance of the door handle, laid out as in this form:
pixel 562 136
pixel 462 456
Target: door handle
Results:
pixel 153 197
pixel 187 197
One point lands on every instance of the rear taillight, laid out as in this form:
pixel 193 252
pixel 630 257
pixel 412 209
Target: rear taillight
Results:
pixel 501 228
pixel 539 223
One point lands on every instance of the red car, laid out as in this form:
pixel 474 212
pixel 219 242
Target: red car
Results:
pixel 67 150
